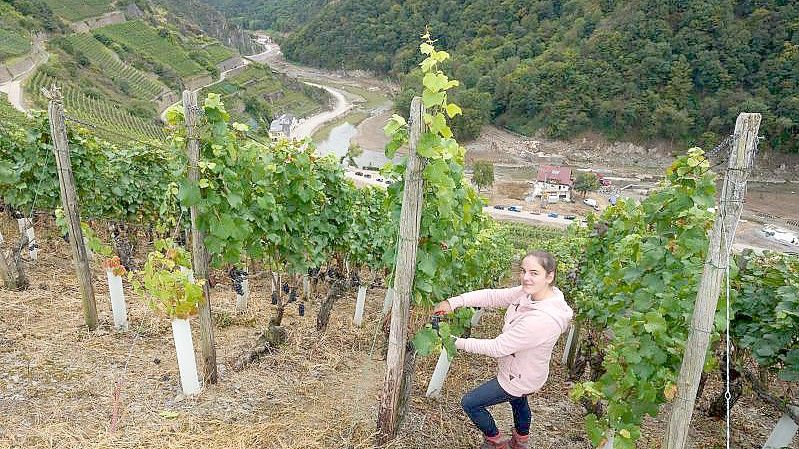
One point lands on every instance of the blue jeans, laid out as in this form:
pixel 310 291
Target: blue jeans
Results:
pixel 491 393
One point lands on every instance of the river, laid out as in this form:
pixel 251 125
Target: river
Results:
pixel 351 105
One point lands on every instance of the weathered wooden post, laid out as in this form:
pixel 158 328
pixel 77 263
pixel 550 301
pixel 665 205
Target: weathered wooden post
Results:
pixel 727 215
pixel 388 417
pixel 198 253
pixel 69 201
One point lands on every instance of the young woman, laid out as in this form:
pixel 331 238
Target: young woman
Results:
pixel 536 316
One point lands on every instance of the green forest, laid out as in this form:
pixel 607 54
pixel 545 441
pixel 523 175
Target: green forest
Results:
pixel 643 70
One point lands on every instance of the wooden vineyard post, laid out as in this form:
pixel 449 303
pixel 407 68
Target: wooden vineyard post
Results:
pixel 69 201
pixel 410 220
pixel 198 253
pixel 727 215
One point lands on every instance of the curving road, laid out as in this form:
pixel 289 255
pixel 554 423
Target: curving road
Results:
pixel 13 88
pixel 314 122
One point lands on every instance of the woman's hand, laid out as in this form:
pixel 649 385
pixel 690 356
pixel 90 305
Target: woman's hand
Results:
pixel 442 308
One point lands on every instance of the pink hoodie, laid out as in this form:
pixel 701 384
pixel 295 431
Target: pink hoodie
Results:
pixel 524 347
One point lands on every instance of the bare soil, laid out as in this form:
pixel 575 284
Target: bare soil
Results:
pixel 61 385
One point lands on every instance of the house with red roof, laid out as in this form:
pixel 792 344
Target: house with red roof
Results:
pixel 553 183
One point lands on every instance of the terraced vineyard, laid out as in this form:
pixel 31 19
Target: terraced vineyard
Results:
pixel 141 85
pixel 12 44
pixel 74 10
pixel 109 115
pixel 257 84
pixel 217 53
pixel 146 41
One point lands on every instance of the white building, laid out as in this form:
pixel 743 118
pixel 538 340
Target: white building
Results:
pixel 283 126
pixel 553 184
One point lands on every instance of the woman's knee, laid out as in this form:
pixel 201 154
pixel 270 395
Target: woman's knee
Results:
pixel 468 402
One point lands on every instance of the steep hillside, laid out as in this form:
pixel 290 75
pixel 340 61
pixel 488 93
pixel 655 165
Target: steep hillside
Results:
pixel 638 70
pixel 277 15
pixel 193 14
pixel 119 77
pixel 14 33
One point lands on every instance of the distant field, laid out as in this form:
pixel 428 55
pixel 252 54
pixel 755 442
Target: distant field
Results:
pixel 74 10
pixel 145 40
pixel 13 44
pixel 105 60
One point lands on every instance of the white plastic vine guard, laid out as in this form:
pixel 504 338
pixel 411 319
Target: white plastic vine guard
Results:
pixel 187 364
pixel 783 433
pixel 188 272
pixel 241 300
pixel 443 364
pixel 567 347
pixel 359 306
pixel 26 226
pixel 117 300
pixel 387 301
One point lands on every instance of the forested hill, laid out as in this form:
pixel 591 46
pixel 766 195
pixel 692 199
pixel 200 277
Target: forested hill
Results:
pixel 633 69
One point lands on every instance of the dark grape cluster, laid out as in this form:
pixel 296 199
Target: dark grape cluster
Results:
pixel 274 298
pixel 293 295
pixel 237 275
pixel 285 287
pixel 301 309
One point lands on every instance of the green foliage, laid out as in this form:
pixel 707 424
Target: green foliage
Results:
pixel 170 289
pixel 278 203
pixel 586 182
pixel 637 70
pixel 460 248
pixel 483 174
pixel 765 311
pixel 638 285
pixel 111 182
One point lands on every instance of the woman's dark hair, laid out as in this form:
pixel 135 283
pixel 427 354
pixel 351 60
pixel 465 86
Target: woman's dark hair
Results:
pixel 547 261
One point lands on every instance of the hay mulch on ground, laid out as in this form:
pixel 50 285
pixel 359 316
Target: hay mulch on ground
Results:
pixel 62 386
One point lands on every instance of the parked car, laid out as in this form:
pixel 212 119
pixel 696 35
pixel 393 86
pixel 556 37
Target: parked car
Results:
pixel 590 202
pixel 359 173
pixel 499 207
pixel 570 217
pixel 379 179
pixel 367 175
pixel 552 215
pixel 604 182
pixel 387 181
pixel 515 208
pixel 532 212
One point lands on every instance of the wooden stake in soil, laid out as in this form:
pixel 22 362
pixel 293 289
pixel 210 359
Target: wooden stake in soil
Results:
pixel 410 219
pixel 198 253
pixel 69 200
pixel 727 215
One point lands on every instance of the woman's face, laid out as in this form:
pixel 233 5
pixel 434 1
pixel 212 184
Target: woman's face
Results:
pixel 533 277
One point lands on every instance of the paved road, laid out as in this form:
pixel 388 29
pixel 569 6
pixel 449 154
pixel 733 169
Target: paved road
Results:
pixel 314 122
pixel 13 88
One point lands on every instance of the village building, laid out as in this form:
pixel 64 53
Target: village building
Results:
pixel 282 127
pixel 553 184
